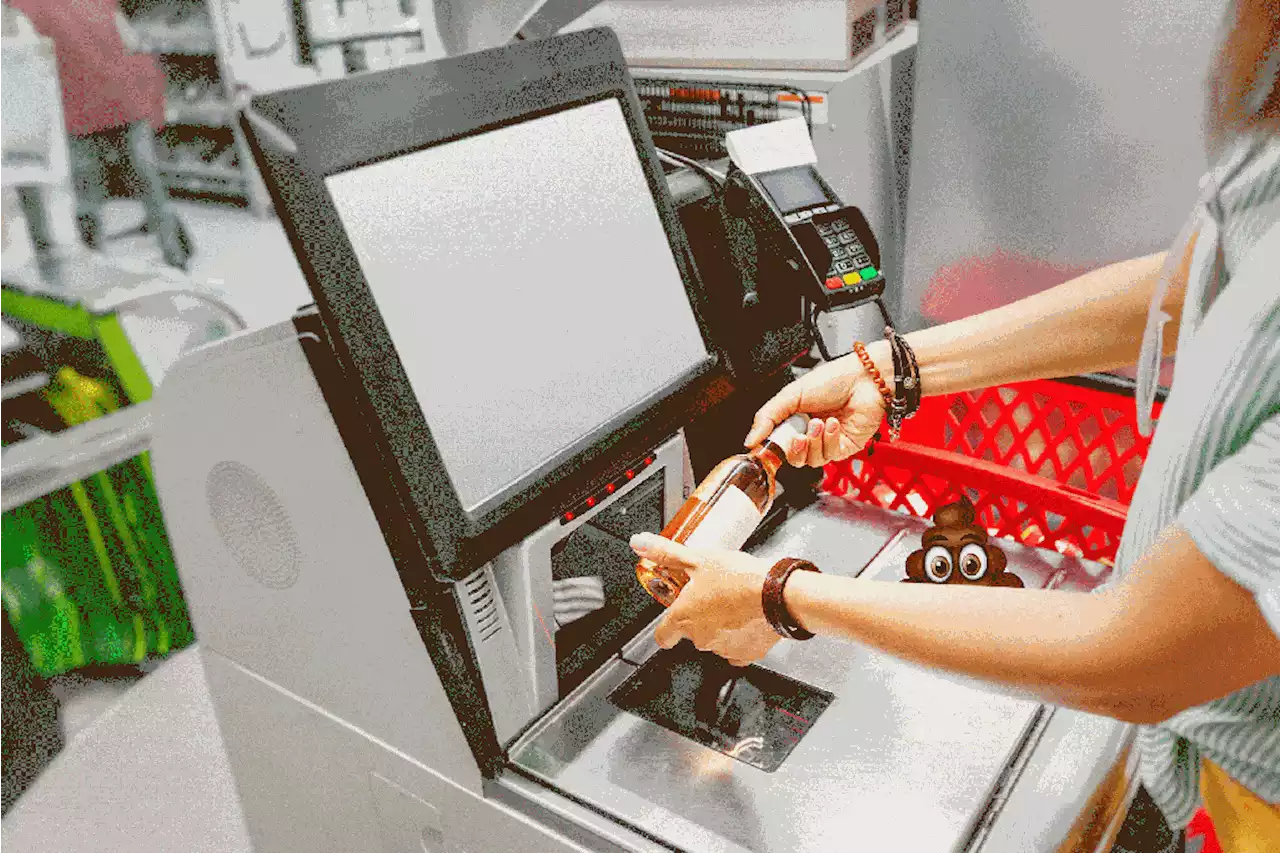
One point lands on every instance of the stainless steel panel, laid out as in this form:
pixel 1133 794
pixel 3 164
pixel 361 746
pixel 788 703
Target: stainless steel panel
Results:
pixel 1048 138
pixel 1070 761
pixel 842 537
pixel 903 759
pixel 594 831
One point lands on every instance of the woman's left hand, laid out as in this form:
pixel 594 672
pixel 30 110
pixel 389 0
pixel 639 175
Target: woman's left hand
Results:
pixel 720 609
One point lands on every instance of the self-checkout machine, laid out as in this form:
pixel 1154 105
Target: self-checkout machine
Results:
pixel 402 518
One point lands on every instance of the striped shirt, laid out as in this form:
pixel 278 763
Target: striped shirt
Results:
pixel 1213 469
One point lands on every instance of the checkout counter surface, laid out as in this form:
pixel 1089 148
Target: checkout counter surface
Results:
pixel 902 758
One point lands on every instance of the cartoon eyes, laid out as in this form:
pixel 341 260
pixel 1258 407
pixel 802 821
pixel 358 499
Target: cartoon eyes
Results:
pixel 937 564
pixel 973 562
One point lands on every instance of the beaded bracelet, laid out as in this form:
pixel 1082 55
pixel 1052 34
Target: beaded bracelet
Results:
pixel 870 367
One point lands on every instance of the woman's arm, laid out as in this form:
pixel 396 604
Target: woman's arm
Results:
pixel 1089 324
pixel 1175 634
pixel 1196 617
pixel 1092 323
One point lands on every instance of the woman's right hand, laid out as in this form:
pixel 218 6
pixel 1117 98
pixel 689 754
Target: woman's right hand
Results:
pixel 843 403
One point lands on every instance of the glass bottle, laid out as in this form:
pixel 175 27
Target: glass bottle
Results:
pixel 725 509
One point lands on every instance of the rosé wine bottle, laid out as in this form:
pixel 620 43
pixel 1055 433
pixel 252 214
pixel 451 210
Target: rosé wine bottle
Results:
pixel 725 509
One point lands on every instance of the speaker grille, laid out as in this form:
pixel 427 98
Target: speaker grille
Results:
pixel 481 601
pixel 253 524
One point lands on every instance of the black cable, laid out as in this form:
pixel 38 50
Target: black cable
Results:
pixel 884 312
pixel 811 321
pixel 806 108
pixel 816 333
pixel 692 163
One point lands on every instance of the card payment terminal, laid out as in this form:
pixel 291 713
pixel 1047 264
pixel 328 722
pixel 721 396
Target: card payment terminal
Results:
pixel 835 240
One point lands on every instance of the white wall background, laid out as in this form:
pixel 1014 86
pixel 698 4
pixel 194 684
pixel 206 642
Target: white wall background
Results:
pixel 1049 137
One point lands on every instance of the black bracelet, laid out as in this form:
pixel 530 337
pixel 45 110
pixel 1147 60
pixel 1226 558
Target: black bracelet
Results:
pixel 914 393
pixel 907 394
pixel 912 375
pixel 898 410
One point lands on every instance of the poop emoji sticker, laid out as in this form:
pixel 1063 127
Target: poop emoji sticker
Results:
pixel 957 550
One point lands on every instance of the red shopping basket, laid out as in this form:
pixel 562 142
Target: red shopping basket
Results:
pixel 1050 463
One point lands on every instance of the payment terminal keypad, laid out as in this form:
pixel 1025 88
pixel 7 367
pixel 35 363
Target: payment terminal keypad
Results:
pixel 850 263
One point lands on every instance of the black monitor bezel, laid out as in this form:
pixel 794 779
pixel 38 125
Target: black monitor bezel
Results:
pixel 302 136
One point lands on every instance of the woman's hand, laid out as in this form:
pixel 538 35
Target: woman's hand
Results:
pixel 843 403
pixel 720 609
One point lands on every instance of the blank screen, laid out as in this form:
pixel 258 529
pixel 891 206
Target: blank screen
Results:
pixel 527 284
pixel 794 189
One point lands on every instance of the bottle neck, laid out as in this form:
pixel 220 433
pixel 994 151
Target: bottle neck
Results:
pixel 773 452
pixel 771 456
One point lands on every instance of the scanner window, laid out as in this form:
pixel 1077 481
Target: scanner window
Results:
pixel 748 713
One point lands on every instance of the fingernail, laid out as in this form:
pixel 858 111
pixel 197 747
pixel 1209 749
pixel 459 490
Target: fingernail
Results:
pixel 833 426
pixel 815 428
pixel 641 541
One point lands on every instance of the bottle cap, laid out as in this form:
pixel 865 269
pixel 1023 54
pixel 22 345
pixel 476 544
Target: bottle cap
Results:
pixel 792 428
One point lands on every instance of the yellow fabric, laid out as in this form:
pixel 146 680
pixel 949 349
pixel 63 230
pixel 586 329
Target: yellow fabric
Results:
pixel 1243 822
pixel 78 399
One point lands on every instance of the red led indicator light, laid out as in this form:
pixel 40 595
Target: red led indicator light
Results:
pixel 568 516
pixel 609 488
pixel 630 474
pixel 649 461
pixel 591 502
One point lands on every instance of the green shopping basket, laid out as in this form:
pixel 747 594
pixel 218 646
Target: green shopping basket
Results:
pixel 88 574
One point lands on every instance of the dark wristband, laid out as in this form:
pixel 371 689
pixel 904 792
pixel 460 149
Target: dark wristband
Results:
pixel 906 391
pixel 898 410
pixel 775 607
pixel 914 392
